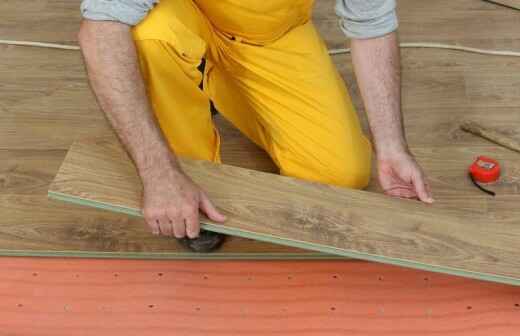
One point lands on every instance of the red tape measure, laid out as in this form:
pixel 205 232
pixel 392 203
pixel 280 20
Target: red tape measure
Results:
pixel 484 170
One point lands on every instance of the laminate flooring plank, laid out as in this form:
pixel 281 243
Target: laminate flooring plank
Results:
pixel 512 4
pixel 28 172
pixel 287 211
pixel 40 20
pixel 36 226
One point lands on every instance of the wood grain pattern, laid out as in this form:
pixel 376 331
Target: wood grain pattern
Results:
pixel 36 226
pixel 491 134
pixel 317 217
pixel 61 297
pixel 46 104
pixel 513 4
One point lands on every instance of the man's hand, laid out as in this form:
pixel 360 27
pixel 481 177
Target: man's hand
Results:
pixel 171 204
pixel 171 200
pixel 401 176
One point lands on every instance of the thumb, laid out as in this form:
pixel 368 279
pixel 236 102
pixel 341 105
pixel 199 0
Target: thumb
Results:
pixel 210 210
pixel 421 189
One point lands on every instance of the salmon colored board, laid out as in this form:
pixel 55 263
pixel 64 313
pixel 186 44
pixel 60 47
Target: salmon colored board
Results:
pixel 54 297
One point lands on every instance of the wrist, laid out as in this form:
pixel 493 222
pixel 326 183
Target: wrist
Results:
pixel 158 166
pixel 391 149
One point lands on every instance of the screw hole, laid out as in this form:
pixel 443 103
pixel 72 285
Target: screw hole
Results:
pixel 332 308
pixel 160 274
pixel 197 308
pixel 19 305
pixel 289 277
pixel 151 306
pixel 380 278
pixel 334 276
pixel 205 277
pixel 116 275
pixel 469 307
pixel 426 279
pixel 35 274
pixel 517 304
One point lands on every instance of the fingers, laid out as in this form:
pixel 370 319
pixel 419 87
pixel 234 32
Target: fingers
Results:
pixel 153 224
pixel 156 221
pixel 192 223
pixel 185 222
pixel 422 188
pixel 176 221
pixel 165 225
pixel 179 217
pixel 401 192
pixel 210 210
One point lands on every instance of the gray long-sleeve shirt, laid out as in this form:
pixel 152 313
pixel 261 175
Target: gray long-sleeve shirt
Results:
pixel 358 18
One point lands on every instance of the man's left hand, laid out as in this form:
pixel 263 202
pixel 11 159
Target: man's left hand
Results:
pixel 401 176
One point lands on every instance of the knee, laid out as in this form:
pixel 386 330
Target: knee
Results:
pixel 351 171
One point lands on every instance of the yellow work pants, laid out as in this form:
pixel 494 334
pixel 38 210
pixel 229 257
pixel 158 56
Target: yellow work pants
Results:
pixel 267 71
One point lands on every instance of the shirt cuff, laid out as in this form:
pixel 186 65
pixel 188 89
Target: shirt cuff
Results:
pixel 130 12
pixel 363 19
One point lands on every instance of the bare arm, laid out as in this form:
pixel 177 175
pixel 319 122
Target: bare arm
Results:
pixel 114 74
pixel 377 66
pixel 171 200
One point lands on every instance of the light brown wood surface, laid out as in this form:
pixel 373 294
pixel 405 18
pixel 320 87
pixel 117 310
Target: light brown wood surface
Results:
pixel 46 104
pixel 292 212
pixel 491 134
pixel 514 4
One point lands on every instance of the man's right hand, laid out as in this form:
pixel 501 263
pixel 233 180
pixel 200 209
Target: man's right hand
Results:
pixel 171 199
pixel 171 203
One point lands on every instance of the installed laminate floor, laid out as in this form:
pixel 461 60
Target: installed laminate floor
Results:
pixel 45 105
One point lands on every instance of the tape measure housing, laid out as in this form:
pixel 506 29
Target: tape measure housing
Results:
pixel 485 170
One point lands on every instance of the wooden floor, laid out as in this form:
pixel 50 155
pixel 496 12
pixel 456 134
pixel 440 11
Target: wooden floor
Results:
pixel 45 104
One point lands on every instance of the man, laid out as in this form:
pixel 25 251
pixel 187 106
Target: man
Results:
pixel 156 68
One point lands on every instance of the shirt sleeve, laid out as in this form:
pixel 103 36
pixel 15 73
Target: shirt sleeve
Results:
pixel 367 18
pixel 130 12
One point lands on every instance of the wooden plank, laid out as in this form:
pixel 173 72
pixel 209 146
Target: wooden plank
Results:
pixel 28 172
pixel 36 226
pixel 291 212
pixel 513 4
pixel 45 104
pixel 491 134
pixel 62 297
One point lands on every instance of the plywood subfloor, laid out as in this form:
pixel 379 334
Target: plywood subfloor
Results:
pixel 317 217
pixel 44 297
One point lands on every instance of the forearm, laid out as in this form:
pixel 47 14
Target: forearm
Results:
pixel 113 70
pixel 377 67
